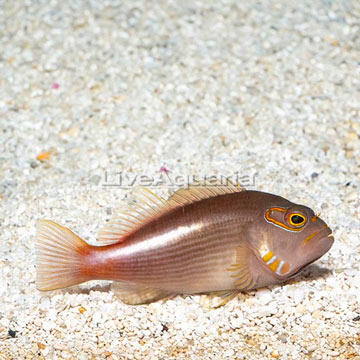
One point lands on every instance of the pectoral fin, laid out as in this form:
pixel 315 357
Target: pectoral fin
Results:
pixel 242 271
pixel 136 294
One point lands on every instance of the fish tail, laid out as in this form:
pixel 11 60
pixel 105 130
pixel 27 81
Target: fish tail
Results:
pixel 60 257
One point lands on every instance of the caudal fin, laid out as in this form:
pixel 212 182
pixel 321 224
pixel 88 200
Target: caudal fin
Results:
pixel 60 256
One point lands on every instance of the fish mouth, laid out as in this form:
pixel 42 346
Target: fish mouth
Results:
pixel 324 241
pixel 320 235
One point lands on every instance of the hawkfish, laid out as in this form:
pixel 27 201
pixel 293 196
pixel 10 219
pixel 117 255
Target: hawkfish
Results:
pixel 220 240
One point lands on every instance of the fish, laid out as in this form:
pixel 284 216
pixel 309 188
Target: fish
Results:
pixel 202 240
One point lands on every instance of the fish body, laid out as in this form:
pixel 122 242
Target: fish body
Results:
pixel 201 240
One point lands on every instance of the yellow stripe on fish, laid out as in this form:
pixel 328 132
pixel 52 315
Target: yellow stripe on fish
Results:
pixel 276 265
pixel 268 256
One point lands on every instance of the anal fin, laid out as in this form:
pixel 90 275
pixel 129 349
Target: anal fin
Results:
pixel 136 294
pixel 218 299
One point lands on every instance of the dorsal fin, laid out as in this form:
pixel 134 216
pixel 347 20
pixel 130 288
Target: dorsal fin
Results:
pixel 150 206
pixel 147 207
pixel 202 191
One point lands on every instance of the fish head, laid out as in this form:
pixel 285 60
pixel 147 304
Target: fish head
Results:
pixel 293 238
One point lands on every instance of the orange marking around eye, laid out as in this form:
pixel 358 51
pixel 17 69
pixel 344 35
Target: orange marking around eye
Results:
pixel 268 256
pixel 314 218
pixel 271 220
pixel 273 266
pixel 285 268
pixel 278 209
pixel 310 237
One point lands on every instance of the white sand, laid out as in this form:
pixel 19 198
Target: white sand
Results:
pixel 205 87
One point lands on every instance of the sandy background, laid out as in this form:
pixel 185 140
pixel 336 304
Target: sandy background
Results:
pixel 201 87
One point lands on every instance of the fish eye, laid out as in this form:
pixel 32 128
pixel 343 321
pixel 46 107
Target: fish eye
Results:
pixel 297 219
